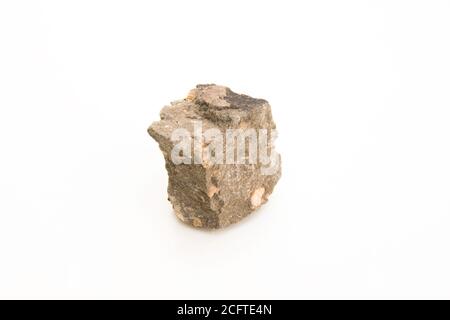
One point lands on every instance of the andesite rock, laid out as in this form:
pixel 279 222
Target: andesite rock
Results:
pixel 205 192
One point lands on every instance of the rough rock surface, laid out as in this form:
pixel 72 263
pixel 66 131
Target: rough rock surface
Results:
pixel 214 195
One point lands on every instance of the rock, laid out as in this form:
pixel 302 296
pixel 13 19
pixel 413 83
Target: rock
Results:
pixel 219 155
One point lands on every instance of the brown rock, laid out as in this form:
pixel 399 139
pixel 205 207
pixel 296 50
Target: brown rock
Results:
pixel 211 184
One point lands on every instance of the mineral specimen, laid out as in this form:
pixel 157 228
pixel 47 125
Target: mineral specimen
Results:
pixel 218 148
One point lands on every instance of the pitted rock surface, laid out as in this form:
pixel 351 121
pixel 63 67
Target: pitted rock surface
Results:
pixel 215 195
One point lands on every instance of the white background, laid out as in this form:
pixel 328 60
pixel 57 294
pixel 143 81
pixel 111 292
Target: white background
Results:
pixel 360 91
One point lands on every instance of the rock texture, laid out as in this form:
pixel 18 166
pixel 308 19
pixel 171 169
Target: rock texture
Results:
pixel 204 193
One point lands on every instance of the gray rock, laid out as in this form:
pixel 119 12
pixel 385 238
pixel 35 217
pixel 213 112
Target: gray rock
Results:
pixel 213 187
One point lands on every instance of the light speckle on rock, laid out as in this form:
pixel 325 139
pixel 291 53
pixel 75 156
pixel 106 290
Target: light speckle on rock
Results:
pixel 212 190
pixel 257 197
pixel 197 222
